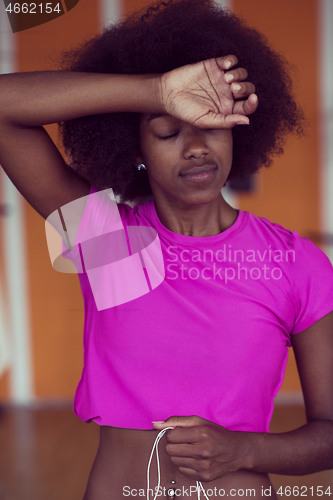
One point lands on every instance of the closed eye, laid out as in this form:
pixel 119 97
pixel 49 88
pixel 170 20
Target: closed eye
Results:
pixel 164 137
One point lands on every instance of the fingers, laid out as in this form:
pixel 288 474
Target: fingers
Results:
pixel 197 475
pixel 180 421
pixel 245 99
pixel 243 89
pixel 236 75
pixel 189 462
pixel 189 435
pixel 248 106
pixel 192 474
pixel 239 87
pixel 185 450
pixel 226 62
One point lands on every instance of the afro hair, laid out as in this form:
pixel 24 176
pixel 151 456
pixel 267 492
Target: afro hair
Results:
pixel 167 35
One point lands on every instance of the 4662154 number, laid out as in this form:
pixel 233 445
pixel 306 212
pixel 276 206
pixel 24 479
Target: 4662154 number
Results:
pixel 33 8
pixel 304 491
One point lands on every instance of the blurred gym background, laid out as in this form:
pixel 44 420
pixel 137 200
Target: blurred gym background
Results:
pixel 41 311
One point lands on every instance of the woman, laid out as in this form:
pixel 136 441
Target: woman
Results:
pixel 204 351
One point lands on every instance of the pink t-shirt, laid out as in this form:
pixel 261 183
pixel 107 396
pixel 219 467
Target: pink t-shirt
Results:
pixel 211 336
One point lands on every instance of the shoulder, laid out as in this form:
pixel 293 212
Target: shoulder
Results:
pixel 307 268
pixel 280 236
pixel 271 231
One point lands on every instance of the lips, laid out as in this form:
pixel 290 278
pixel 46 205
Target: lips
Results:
pixel 197 169
pixel 203 175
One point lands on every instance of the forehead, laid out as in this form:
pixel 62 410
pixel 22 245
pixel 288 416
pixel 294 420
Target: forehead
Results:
pixel 154 116
pixel 148 119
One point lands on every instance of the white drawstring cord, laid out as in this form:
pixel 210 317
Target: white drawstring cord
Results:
pixel 200 487
pixel 155 448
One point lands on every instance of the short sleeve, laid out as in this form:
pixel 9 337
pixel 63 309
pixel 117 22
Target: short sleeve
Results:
pixel 91 216
pixel 87 221
pixel 312 283
pixel 120 261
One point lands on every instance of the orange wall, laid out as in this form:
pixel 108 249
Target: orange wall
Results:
pixel 287 193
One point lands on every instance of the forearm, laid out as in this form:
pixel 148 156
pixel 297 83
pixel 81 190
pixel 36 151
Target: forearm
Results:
pixel 302 451
pixel 39 98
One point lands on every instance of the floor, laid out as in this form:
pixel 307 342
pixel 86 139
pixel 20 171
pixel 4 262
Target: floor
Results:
pixel 46 454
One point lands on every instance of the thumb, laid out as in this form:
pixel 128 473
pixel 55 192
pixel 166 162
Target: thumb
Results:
pixel 231 121
pixel 248 106
pixel 180 421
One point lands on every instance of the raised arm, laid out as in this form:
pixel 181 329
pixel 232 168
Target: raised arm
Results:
pixel 30 100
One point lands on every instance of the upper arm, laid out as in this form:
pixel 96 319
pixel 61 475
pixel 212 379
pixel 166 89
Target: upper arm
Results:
pixel 313 348
pixel 38 170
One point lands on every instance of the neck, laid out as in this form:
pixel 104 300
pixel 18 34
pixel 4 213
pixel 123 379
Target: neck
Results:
pixel 206 219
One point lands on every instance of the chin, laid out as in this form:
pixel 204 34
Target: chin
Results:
pixel 203 197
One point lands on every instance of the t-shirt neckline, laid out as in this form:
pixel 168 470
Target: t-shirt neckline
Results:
pixel 196 240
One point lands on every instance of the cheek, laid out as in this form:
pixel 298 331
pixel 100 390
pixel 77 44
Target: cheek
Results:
pixel 227 142
pixel 150 151
pixel 226 151
pixel 158 156
pixel 158 170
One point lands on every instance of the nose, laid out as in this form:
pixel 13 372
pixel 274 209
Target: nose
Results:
pixel 195 144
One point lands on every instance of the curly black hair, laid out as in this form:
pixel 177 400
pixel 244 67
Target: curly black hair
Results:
pixel 165 36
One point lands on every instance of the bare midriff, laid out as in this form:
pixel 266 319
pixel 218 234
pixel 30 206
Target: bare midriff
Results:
pixel 120 471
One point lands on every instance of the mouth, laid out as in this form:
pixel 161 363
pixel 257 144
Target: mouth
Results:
pixel 199 174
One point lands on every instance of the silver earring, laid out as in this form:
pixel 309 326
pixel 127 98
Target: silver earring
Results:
pixel 142 166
